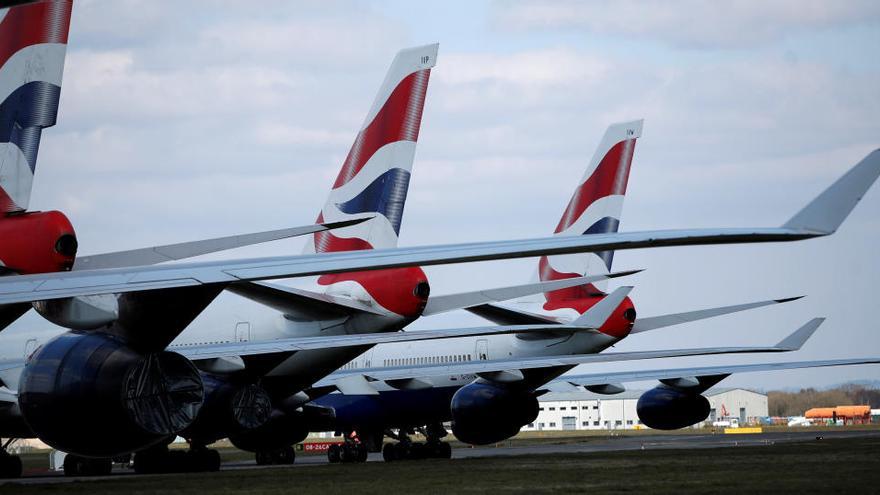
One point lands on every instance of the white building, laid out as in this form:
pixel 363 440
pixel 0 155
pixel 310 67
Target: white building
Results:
pixel 742 404
pixel 589 411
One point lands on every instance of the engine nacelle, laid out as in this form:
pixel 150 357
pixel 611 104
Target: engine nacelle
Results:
pixel 80 313
pixel 285 429
pixel 229 407
pixel 667 408
pixel 91 395
pixel 484 413
pixel 39 242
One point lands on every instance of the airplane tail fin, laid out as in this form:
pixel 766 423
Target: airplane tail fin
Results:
pixel 374 178
pixel 33 42
pixel 594 208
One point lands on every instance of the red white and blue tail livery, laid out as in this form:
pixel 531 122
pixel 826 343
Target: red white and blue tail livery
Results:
pixel 594 208
pixel 33 42
pixel 374 178
pixel 373 183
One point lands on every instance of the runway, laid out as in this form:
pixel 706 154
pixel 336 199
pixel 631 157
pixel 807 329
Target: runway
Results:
pixel 562 447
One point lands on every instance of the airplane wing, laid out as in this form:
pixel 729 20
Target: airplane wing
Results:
pixel 183 250
pixel 487 367
pixel 820 217
pixel 593 379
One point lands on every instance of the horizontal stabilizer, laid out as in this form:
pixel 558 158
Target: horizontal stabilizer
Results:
pixel 655 322
pixel 183 250
pixel 597 315
pixel 289 300
pixel 504 315
pixel 825 213
pixel 440 304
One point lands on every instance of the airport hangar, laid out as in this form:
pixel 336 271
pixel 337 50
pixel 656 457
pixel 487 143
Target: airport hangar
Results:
pixel 588 411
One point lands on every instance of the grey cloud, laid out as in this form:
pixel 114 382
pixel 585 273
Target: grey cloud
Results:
pixel 689 23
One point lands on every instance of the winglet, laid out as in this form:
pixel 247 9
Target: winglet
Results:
pixel 828 210
pixel 797 338
pixel 596 316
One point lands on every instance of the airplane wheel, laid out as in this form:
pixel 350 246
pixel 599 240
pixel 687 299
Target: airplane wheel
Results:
pixel 284 456
pixel 401 452
pixel 348 453
pixel 10 466
pixel 418 451
pixel 334 454
pixel 75 465
pixel 263 458
pixel 389 452
pixel 445 451
pixel 202 460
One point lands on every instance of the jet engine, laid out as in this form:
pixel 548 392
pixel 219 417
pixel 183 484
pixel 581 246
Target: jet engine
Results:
pixel 90 394
pixel 39 242
pixel 280 431
pixel 229 407
pixel 668 408
pixel 484 413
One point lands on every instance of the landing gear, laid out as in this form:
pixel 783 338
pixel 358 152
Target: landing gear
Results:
pixel 283 456
pixel 352 450
pixel 10 465
pixel 75 465
pixel 163 460
pixel 407 450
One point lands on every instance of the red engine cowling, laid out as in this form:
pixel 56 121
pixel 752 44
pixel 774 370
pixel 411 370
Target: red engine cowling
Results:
pixel 38 242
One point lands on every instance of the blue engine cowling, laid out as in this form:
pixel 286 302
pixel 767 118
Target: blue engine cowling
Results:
pixel 92 395
pixel 667 408
pixel 484 413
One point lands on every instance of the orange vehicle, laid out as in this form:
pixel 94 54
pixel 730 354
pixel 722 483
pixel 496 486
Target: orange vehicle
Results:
pixel 849 414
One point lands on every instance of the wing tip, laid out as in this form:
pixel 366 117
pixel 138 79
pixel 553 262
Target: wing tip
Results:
pixel 788 299
pixel 799 337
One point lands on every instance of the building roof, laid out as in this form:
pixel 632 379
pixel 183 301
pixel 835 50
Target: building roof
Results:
pixel 718 391
pixel 628 394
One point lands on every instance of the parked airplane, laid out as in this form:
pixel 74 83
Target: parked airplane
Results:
pixel 128 358
pixel 594 208
pixel 367 203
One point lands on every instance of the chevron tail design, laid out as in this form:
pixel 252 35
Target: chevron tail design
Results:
pixel 33 42
pixel 374 180
pixel 594 208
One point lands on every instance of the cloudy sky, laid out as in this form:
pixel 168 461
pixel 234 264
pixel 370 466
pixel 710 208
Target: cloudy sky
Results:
pixel 196 119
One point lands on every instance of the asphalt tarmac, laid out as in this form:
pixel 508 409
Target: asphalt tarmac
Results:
pixel 565 446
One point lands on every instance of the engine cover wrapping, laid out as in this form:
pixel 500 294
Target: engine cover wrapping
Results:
pixel 91 395
pixel 229 408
